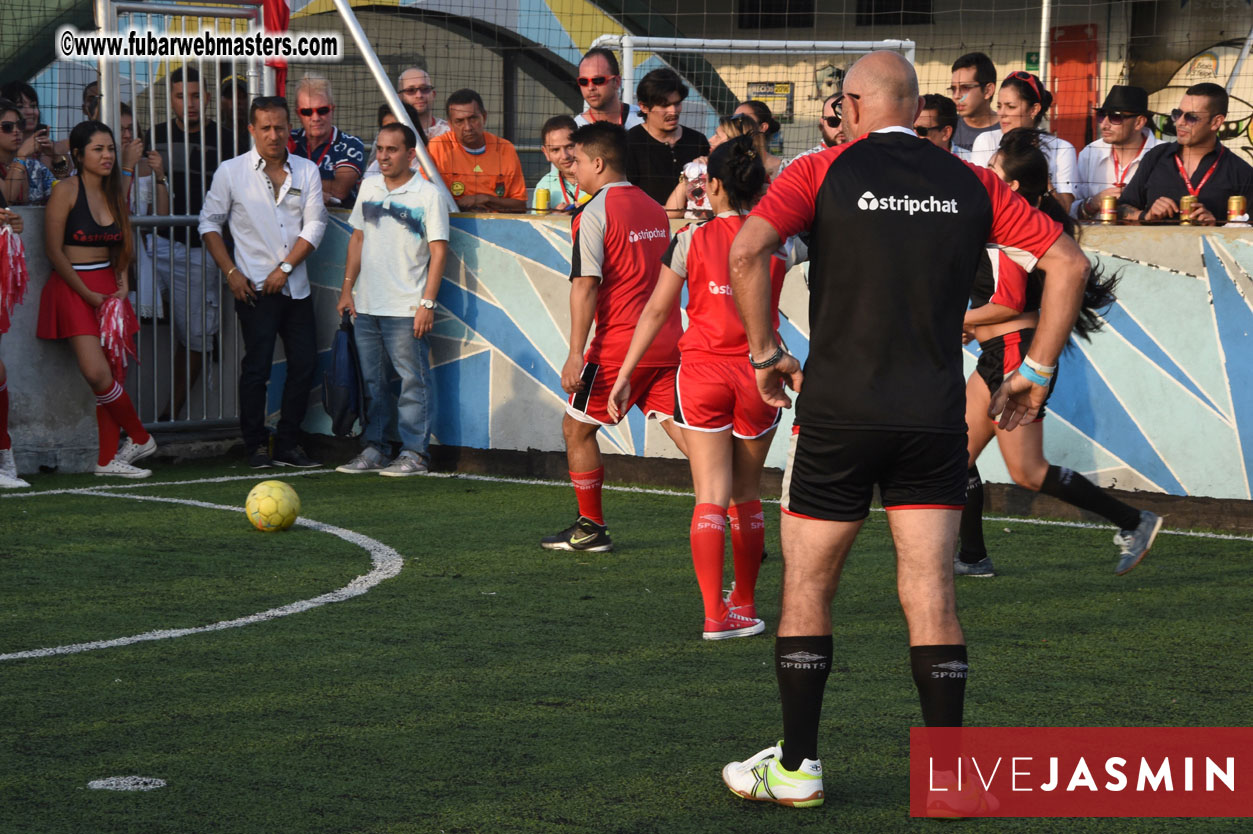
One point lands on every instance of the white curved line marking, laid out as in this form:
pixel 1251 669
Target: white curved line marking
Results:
pixel 387 564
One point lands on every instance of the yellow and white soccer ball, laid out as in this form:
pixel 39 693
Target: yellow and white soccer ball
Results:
pixel 272 505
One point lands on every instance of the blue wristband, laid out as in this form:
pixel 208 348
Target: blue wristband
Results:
pixel 1033 376
pixel 128 174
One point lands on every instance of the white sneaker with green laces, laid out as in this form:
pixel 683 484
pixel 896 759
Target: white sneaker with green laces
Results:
pixel 764 778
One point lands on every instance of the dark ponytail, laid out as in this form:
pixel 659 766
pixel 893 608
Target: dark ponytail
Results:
pixel 1020 157
pixel 738 165
pixel 766 122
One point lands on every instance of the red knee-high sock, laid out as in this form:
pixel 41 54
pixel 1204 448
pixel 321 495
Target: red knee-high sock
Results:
pixel 587 486
pixel 118 403
pixel 108 431
pixel 748 537
pixel 5 441
pixel 709 522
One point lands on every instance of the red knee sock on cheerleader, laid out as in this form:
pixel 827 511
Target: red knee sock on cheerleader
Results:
pixel 748 537
pixel 115 404
pixel 5 441
pixel 708 535
pixel 587 489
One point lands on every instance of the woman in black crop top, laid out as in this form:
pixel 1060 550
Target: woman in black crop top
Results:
pixel 1002 319
pixel 87 237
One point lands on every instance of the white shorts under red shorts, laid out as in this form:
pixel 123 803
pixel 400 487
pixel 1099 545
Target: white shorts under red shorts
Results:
pixel 716 395
pixel 652 389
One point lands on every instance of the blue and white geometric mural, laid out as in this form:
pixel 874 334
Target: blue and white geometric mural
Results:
pixel 1161 399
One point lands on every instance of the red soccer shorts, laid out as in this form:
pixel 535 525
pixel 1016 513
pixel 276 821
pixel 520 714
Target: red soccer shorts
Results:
pixel 719 394
pixel 652 389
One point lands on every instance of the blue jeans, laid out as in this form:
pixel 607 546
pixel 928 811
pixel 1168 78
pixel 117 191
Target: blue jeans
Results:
pixel 385 343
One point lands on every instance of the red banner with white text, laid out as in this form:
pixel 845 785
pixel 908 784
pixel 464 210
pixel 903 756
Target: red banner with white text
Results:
pixel 1081 772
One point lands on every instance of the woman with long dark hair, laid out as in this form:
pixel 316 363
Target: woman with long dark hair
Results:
pixel 1023 103
pixel 1002 319
pixel 727 426
pixel 87 237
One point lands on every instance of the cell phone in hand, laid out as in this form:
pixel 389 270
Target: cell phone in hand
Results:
pixel 40 127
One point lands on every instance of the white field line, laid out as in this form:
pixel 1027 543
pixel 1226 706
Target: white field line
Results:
pixel 387 564
pixel 269 475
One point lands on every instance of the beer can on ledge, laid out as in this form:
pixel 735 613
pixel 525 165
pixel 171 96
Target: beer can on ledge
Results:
pixel 1237 209
pixel 1186 203
pixel 1109 209
pixel 541 200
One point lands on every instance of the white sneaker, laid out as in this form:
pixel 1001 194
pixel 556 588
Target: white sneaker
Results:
pixel 119 468
pixel 764 778
pixel 11 481
pixel 132 451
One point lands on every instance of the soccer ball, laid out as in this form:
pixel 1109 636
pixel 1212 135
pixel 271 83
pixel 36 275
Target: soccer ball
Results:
pixel 272 505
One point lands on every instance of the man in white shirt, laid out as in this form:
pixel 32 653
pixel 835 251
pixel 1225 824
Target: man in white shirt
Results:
pixel 600 83
pixel 1106 165
pixel 418 91
pixel 273 203
pixel 392 273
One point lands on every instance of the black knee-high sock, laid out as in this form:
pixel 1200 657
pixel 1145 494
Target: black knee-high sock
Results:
pixel 940 675
pixel 1073 488
pixel 972 547
pixel 802 665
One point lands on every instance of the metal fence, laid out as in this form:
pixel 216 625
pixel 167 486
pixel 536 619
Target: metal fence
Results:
pixel 193 115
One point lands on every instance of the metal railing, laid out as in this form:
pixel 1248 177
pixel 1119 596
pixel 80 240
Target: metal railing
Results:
pixel 189 343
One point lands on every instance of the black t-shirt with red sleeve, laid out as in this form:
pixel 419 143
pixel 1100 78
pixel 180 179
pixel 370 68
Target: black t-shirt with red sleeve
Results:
pixel 897 227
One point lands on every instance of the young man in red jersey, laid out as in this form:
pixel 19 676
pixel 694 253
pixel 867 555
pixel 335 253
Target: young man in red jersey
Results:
pixel 618 237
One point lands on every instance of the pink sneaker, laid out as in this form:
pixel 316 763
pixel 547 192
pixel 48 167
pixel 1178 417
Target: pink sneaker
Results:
pixel 734 625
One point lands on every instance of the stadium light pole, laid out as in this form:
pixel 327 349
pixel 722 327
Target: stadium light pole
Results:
pixel 391 97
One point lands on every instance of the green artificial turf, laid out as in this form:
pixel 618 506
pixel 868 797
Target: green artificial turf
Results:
pixel 496 687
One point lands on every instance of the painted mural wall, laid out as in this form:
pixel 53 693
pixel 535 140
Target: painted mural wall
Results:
pixel 1160 400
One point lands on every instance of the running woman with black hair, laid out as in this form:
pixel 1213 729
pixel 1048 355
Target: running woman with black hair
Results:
pixel 1002 319
pixel 727 426
pixel 87 237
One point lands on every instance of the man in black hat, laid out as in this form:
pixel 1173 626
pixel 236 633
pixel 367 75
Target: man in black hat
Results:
pixel 1106 165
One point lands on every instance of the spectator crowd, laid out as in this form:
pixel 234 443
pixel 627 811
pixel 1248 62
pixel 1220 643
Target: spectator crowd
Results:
pixel 261 183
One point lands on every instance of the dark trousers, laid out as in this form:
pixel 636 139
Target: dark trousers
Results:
pixel 273 317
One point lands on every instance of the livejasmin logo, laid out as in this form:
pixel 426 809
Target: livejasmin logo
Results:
pixel 1024 775
pixel 906 203
pixel 647 234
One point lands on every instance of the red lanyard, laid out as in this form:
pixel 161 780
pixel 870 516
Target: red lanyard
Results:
pixel 566 194
pixel 1187 182
pixel 325 150
pixel 1120 178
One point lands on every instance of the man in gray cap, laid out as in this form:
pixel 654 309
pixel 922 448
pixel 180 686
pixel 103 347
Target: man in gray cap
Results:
pixel 1106 165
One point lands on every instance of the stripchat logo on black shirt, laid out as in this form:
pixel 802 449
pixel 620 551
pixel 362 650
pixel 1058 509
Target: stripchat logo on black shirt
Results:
pixel 906 203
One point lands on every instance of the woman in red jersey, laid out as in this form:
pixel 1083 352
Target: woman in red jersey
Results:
pixel 727 426
pixel 1004 312
pixel 87 237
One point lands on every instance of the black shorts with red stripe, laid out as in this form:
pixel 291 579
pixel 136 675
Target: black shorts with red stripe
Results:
pixel 832 473
pixel 1000 356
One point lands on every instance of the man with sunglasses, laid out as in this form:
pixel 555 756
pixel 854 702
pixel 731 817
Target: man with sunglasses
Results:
pixel 340 156
pixel 600 83
pixel 936 122
pixel 972 90
pixel 1195 163
pixel 1106 165
pixel 418 91
pixel 830 126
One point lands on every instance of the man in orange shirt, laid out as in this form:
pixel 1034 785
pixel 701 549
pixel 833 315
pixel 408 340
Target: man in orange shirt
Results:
pixel 482 170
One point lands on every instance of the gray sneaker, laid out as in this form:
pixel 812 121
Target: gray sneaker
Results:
pixel 1134 544
pixel 983 567
pixel 405 466
pixel 368 461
